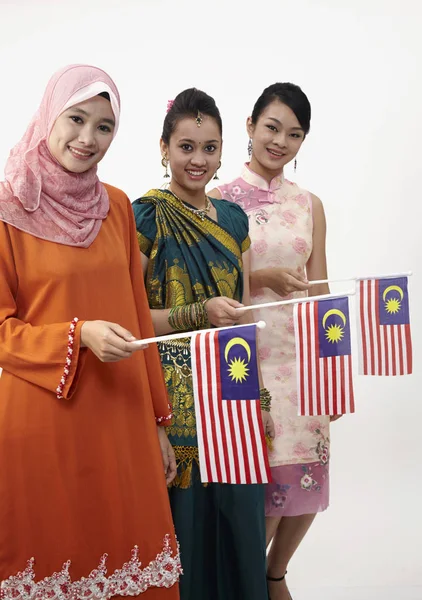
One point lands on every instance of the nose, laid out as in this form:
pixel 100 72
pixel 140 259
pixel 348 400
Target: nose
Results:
pixel 198 159
pixel 281 139
pixel 86 136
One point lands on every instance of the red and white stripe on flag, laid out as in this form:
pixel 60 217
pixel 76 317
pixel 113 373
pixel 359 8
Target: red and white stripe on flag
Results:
pixel 231 441
pixel 324 384
pixel 383 349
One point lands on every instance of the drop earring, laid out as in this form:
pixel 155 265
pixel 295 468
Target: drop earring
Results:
pixel 295 165
pixel 165 163
pixel 216 173
pixel 250 148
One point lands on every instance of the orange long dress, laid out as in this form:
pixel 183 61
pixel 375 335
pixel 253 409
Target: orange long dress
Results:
pixel 81 476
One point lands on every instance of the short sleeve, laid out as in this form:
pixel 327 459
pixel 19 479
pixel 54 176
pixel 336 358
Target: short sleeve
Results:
pixel 236 220
pixel 146 226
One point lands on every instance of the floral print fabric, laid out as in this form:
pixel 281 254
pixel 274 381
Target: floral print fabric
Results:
pixel 281 228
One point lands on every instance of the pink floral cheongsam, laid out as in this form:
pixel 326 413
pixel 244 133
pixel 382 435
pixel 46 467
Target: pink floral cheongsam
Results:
pixel 280 228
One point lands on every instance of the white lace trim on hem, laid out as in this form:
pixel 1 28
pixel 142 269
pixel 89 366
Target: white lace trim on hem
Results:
pixel 130 580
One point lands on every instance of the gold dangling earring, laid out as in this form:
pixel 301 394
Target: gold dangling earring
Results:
pixel 216 173
pixel 165 163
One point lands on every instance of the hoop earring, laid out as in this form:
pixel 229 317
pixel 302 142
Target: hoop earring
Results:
pixel 165 163
pixel 295 165
pixel 250 148
pixel 216 173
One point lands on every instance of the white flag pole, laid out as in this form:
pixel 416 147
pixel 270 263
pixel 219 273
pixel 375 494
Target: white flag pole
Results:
pixel 317 281
pixel 187 334
pixel 262 324
pixel 296 300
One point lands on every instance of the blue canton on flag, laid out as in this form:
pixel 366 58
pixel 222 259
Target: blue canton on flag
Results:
pixel 231 441
pixel 393 299
pixel 323 357
pixel 334 327
pixel 238 364
pixel 385 339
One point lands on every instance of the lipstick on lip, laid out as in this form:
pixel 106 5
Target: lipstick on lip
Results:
pixel 199 174
pixel 272 152
pixel 80 154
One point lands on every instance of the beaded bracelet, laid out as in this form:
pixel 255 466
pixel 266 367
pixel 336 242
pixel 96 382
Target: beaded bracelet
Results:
pixel 188 317
pixel 265 399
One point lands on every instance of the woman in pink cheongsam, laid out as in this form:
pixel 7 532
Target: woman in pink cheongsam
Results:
pixel 287 229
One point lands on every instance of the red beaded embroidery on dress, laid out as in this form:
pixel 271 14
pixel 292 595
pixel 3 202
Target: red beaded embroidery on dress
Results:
pixel 66 370
pixel 130 580
pixel 169 416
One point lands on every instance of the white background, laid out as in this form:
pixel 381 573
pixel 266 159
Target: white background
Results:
pixel 359 61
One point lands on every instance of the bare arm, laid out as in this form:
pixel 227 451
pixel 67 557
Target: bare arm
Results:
pixel 281 280
pixel 247 317
pixel 316 267
pixel 284 281
pixel 214 194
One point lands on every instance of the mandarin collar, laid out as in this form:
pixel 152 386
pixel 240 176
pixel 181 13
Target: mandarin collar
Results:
pixel 258 181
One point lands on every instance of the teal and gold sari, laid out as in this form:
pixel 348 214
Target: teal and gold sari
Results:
pixel 190 259
pixel 220 527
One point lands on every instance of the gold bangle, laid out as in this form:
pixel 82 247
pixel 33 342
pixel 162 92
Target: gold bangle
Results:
pixel 188 317
pixel 180 318
pixel 265 399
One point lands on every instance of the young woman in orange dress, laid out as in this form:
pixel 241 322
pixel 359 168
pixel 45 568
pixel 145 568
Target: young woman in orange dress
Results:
pixel 84 509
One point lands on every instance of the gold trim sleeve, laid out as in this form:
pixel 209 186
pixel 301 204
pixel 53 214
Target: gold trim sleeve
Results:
pixel 246 244
pixel 144 243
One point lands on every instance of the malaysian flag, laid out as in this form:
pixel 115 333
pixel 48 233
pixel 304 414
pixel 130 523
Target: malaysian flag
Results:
pixel 323 357
pixel 231 441
pixel 385 346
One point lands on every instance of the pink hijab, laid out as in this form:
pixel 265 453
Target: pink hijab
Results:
pixel 38 195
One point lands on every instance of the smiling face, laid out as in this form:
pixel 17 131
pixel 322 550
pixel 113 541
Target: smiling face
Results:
pixel 193 152
pixel 276 138
pixel 82 134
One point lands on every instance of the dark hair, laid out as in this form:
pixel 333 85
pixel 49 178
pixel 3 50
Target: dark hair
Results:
pixel 187 104
pixel 105 95
pixel 289 94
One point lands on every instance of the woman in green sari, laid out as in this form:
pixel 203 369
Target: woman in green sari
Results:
pixel 195 257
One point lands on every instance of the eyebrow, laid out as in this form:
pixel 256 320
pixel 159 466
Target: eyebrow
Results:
pixel 83 112
pixel 193 141
pixel 280 123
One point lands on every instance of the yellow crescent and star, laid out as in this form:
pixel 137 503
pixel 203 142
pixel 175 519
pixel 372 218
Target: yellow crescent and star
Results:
pixel 238 368
pixel 334 332
pixel 392 305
